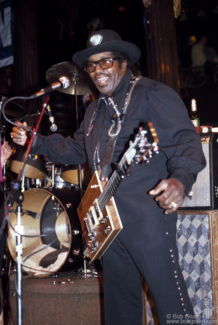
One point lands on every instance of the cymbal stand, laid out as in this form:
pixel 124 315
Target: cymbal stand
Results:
pixel 52 175
pixel 75 75
pixel 17 196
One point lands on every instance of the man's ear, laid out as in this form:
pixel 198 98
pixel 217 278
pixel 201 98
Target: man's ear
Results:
pixel 124 65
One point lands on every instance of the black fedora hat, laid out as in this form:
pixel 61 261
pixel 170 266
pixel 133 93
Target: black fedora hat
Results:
pixel 106 40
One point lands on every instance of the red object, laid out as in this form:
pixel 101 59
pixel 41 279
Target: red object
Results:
pixel 198 129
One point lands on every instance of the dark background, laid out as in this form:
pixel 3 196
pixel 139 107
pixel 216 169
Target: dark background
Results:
pixel 64 25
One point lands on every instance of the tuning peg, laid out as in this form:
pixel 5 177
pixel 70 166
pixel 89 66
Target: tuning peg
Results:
pixel 156 149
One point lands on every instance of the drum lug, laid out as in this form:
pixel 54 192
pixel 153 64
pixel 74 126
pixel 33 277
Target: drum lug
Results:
pixel 70 260
pixel 68 205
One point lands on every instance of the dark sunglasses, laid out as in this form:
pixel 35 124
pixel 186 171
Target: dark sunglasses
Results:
pixel 105 63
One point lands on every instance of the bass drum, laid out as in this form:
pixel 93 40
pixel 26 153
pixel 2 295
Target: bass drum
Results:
pixel 52 216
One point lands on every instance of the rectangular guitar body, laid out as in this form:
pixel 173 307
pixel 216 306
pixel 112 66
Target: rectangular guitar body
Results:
pixel 105 228
pixel 97 211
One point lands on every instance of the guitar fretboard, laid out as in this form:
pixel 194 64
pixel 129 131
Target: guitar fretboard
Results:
pixel 113 183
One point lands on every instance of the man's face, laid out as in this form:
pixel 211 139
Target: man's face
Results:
pixel 107 80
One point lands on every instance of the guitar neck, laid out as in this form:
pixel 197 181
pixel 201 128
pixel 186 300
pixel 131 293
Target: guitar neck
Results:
pixel 145 142
pixel 100 218
pixel 113 183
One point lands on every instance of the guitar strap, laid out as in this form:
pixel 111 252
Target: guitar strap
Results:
pixel 115 129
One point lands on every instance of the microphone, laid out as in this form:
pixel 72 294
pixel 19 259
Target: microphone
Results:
pixel 63 82
pixel 53 126
pixel 15 195
pixel 34 215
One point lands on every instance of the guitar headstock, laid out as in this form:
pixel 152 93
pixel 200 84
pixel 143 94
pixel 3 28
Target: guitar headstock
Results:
pixel 144 145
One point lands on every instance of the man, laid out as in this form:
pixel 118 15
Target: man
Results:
pixel 201 53
pixel 147 200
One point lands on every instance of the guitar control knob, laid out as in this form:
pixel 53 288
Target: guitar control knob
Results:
pixel 108 228
pixel 103 220
pixel 94 246
pixel 93 234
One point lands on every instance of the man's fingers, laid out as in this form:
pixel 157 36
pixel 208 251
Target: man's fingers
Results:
pixel 18 134
pixel 4 144
pixel 172 207
pixel 172 195
pixel 6 147
pixel 159 188
pixel 18 129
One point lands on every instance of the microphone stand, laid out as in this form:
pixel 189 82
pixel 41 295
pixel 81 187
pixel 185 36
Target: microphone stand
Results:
pixel 17 196
pixel 75 75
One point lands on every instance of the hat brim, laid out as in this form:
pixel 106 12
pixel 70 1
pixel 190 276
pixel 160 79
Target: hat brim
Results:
pixel 129 49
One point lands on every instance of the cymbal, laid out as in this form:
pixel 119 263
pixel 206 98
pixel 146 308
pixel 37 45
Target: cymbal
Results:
pixel 12 109
pixel 69 69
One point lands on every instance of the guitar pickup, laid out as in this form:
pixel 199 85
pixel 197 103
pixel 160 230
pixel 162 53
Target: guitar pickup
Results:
pixel 95 215
pixel 90 230
pixel 90 218
pixel 87 225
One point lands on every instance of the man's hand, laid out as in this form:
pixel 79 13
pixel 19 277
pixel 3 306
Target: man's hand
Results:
pixel 18 134
pixel 172 194
pixel 5 152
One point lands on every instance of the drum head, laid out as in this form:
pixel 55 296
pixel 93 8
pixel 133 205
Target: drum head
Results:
pixel 58 229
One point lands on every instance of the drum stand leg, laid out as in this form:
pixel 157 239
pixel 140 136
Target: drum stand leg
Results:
pixel 19 250
pixel 86 272
pixel 52 175
pixel 84 267
pixel 5 181
pixel 80 182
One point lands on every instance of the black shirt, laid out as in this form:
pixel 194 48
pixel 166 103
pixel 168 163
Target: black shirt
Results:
pixel 180 156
